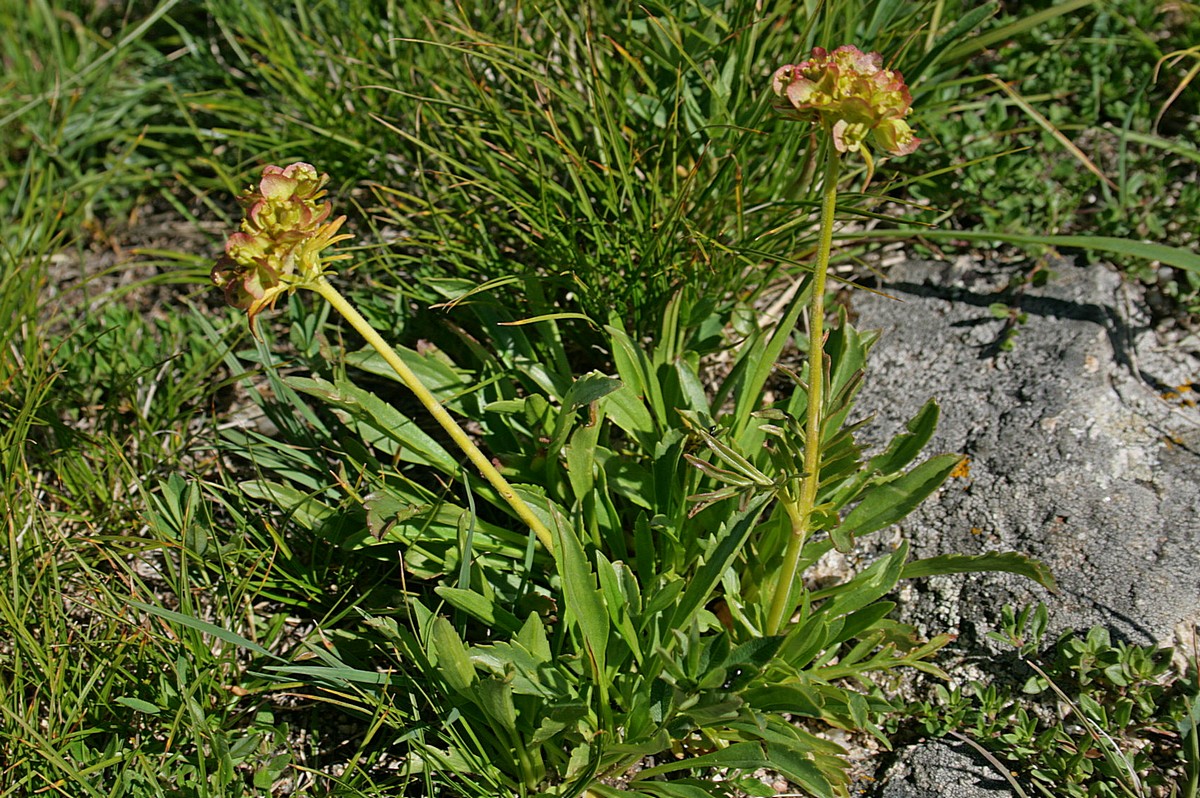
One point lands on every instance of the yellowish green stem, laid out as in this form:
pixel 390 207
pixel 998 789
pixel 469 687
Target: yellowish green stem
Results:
pixel 800 508
pixel 456 433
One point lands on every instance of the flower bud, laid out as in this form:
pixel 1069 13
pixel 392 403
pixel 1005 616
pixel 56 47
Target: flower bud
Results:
pixel 852 95
pixel 281 240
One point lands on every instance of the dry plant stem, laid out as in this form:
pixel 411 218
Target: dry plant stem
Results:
pixel 460 437
pixel 799 509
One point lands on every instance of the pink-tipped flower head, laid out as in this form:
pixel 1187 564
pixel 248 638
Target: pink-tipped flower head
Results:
pixel 852 95
pixel 282 237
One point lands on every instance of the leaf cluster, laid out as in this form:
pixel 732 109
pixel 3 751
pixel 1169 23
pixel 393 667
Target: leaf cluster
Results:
pixel 1093 718
pixel 642 633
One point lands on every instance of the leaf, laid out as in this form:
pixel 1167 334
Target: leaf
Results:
pixel 691 387
pixel 306 510
pixel 706 579
pixel 805 641
pixel 965 24
pixel 1191 720
pixel 453 663
pixel 604 791
pixel 495 698
pixel 761 358
pixel 905 447
pixel 885 503
pixel 618 604
pixel 629 360
pixel 138 705
pixel 629 412
pixel 861 620
pixel 480 608
pixel 1176 147
pixel 547 511
pixel 746 662
pixel 1178 257
pixel 869 586
pixel 381 421
pixel 727 455
pixel 266 776
pixel 591 387
pixel 397 513
pixel 442 379
pixel 846 354
pixel 1007 561
pixel 547 317
pixel 742 756
pixel 756 652
pixel 205 627
pixel 581 458
pixel 340 676
pixel 385 510
pixel 799 769
pixel 684 788
pixel 581 596
pixel 794 699
pixel 533 638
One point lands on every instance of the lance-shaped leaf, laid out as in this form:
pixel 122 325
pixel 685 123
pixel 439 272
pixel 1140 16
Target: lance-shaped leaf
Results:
pixel 581 594
pixel 706 579
pixel 453 663
pixel 1008 561
pixel 885 503
pixel 729 457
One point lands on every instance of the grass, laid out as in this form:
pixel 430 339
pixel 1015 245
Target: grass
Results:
pixel 619 165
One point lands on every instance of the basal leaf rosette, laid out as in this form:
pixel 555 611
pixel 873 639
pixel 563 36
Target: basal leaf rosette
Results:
pixel 850 94
pixel 281 243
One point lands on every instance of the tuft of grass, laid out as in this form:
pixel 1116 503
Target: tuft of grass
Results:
pixel 80 89
pixel 1098 78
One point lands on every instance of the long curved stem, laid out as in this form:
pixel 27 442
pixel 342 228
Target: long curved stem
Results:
pixel 431 404
pixel 800 509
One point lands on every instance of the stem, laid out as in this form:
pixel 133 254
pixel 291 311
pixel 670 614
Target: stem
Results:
pixel 460 437
pixel 529 776
pixel 800 510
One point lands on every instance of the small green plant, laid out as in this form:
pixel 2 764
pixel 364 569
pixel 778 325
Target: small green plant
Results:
pixel 638 610
pixel 1093 717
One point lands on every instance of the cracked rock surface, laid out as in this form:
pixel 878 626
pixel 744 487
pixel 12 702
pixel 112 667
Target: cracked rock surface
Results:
pixel 1084 447
pixel 937 769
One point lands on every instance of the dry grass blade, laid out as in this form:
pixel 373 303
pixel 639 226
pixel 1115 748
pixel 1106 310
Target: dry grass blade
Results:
pixel 1049 127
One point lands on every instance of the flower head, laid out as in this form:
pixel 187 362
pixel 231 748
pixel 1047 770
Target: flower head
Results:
pixel 281 239
pixel 850 93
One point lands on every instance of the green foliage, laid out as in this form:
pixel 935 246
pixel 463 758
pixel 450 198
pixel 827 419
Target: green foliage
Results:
pixel 1109 77
pixel 1094 718
pixel 82 88
pixel 642 633
pixel 598 198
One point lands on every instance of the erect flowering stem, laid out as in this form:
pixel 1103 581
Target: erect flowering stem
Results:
pixel 331 295
pixel 856 102
pixel 800 508
pixel 280 247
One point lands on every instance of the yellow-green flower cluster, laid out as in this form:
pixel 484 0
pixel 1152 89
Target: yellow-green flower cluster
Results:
pixel 279 246
pixel 849 92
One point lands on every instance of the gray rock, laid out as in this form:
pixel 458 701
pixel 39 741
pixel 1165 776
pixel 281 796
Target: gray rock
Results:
pixel 1078 455
pixel 936 770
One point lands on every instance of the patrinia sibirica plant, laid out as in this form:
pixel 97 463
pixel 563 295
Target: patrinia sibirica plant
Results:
pixel 282 247
pixel 850 97
pixel 644 618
